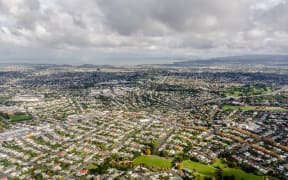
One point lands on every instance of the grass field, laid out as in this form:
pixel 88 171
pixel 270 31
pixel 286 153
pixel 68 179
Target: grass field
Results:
pixel 199 168
pixel 91 166
pixel 253 108
pixel 240 174
pixel 153 161
pixel 20 117
pixel 247 90
pixel 210 170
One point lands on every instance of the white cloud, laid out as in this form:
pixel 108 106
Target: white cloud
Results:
pixel 93 29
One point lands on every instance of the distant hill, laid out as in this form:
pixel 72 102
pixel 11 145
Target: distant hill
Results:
pixel 244 60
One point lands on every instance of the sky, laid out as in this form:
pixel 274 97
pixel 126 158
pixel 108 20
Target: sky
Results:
pixel 139 31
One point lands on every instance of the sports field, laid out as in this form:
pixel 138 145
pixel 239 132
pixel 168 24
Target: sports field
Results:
pixel 153 161
pixel 20 117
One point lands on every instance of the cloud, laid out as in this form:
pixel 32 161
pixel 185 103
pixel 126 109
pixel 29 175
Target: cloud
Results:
pixel 129 16
pixel 274 17
pixel 94 29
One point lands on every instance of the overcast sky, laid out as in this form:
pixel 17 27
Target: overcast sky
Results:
pixel 139 31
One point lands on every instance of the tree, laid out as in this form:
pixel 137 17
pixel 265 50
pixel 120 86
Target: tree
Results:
pixel 148 151
pixel 180 166
pixel 218 173
pixel 154 145
pixel 207 178
pixel 232 177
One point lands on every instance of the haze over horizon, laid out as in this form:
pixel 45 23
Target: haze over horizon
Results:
pixel 139 32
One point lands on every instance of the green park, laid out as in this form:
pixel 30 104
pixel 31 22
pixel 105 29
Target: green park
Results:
pixel 219 167
pixel 153 161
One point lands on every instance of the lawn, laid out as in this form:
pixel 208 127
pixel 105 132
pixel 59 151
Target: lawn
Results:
pixel 240 174
pixel 253 108
pixel 219 163
pixel 91 166
pixel 20 117
pixel 153 161
pixel 199 168
pixel 210 170
pixel 247 90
